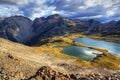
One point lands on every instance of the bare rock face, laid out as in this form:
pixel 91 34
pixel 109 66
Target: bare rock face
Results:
pixel 54 25
pixel 15 28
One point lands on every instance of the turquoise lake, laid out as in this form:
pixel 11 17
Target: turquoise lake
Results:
pixel 88 54
pixel 110 46
pixel 80 52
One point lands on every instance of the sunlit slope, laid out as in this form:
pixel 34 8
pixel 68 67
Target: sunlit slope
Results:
pixel 106 60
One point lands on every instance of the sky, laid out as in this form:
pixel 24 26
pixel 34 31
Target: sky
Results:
pixel 101 10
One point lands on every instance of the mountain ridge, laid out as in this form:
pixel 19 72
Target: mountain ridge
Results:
pixel 22 30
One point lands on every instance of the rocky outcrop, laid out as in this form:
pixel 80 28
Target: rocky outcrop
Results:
pixel 47 73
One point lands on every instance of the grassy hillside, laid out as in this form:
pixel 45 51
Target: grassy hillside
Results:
pixel 107 38
pixel 106 60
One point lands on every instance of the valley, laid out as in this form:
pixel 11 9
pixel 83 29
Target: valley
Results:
pixel 34 50
pixel 19 56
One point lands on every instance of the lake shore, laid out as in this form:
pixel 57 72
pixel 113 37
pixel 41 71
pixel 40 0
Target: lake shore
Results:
pixel 110 39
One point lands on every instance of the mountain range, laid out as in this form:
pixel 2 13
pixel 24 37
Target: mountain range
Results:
pixel 48 37
pixel 23 30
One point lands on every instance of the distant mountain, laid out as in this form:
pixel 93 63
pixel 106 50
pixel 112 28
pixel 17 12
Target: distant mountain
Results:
pixel 111 28
pixel 23 30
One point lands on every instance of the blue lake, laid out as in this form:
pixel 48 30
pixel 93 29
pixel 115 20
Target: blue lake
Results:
pixel 88 54
pixel 110 46
pixel 80 52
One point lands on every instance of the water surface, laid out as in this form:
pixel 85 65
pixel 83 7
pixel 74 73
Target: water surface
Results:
pixel 110 46
pixel 80 52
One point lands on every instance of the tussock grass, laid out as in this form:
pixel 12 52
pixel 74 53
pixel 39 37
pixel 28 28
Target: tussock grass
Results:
pixel 109 61
pixel 106 60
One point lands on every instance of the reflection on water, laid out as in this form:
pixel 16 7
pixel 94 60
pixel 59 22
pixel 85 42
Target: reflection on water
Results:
pixel 80 52
pixel 110 46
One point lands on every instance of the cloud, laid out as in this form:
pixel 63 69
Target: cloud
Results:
pixel 9 10
pixel 103 10
pixel 19 2
pixel 89 8
pixel 29 8
pixel 37 8
pixel 42 9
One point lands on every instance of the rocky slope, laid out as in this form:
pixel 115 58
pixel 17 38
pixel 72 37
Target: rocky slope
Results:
pixel 53 25
pixel 46 73
pixel 111 28
pixel 15 28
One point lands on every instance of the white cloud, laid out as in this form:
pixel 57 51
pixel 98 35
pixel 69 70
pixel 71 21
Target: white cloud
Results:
pixel 90 8
pixel 111 12
pixel 40 12
pixel 63 13
pixel 41 9
pixel 39 2
pixel 91 17
pixel 9 10
pixel 19 2
pixel 102 3
pixel 107 9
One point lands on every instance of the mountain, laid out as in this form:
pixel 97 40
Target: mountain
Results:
pixel 15 28
pixel 111 28
pixel 94 26
pixel 54 25
pixel 23 30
